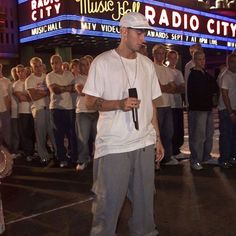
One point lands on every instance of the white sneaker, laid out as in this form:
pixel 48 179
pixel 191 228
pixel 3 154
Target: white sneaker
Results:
pixel 63 164
pixel 81 166
pixel 196 166
pixel 180 156
pixel 172 161
pixel 15 155
pixel 29 158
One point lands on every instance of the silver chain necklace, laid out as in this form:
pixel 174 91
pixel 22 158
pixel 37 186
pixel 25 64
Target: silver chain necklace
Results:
pixel 135 75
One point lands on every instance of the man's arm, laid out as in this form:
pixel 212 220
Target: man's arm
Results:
pixel 225 96
pixel 79 88
pixel 7 101
pixel 58 89
pixel 37 94
pixel 159 147
pixel 180 88
pixel 168 88
pixel 99 104
pixel 22 96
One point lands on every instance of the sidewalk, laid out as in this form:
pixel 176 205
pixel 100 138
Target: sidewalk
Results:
pixel 50 201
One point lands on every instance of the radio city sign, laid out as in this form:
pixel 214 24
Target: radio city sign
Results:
pixel 101 17
pixel 41 9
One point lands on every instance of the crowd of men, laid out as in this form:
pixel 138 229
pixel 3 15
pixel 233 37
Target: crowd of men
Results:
pixel 43 115
pixel 40 110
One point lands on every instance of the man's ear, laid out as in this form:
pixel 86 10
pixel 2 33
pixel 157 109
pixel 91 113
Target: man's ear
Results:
pixel 124 31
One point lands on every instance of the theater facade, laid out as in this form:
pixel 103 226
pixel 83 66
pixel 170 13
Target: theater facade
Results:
pixel 77 27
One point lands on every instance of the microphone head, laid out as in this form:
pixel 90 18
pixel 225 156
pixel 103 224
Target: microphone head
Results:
pixel 133 93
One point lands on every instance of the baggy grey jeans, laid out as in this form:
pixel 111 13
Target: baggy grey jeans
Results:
pixel 119 175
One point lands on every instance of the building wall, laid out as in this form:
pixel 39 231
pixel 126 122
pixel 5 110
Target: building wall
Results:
pixel 9 36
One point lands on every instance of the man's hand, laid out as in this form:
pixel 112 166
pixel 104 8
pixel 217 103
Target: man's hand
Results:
pixel 233 117
pixel 128 103
pixel 160 152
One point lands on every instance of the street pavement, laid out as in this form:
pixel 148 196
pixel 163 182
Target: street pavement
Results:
pixel 48 201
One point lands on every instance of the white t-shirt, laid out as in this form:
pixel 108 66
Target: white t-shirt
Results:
pixel 14 107
pixel 39 83
pixel 108 79
pixel 164 78
pixel 6 85
pixel 23 107
pixel 80 104
pixel 187 69
pixel 228 81
pixel 177 77
pixel 3 94
pixel 62 100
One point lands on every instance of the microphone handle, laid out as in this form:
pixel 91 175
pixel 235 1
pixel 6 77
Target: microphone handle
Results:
pixel 133 93
pixel 135 117
pixel 136 120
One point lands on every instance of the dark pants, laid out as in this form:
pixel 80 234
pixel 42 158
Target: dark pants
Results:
pixel 86 127
pixel 5 128
pixel 63 124
pixel 178 137
pixel 27 134
pixel 227 141
pixel 15 137
pixel 165 120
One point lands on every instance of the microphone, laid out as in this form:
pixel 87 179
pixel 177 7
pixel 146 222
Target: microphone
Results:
pixel 133 94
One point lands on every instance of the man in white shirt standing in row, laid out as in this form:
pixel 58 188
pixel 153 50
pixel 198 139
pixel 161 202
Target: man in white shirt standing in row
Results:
pixel 26 121
pixel 163 104
pixel 35 84
pixel 227 114
pixel 61 84
pixel 177 104
pixel 5 116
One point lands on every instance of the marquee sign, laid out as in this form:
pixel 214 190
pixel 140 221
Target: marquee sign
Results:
pixel 173 24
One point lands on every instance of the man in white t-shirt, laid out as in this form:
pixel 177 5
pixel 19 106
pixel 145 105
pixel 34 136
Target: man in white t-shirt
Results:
pixel 26 121
pixel 86 120
pixel 176 104
pixel 124 147
pixel 4 107
pixel 35 84
pixel 227 114
pixel 15 137
pixel 61 86
pixel 5 116
pixel 164 112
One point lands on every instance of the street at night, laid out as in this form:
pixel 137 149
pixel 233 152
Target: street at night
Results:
pixel 53 201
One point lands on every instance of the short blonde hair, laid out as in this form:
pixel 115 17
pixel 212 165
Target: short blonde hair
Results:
pixel 56 56
pixel 158 46
pixel 74 62
pixel 35 59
